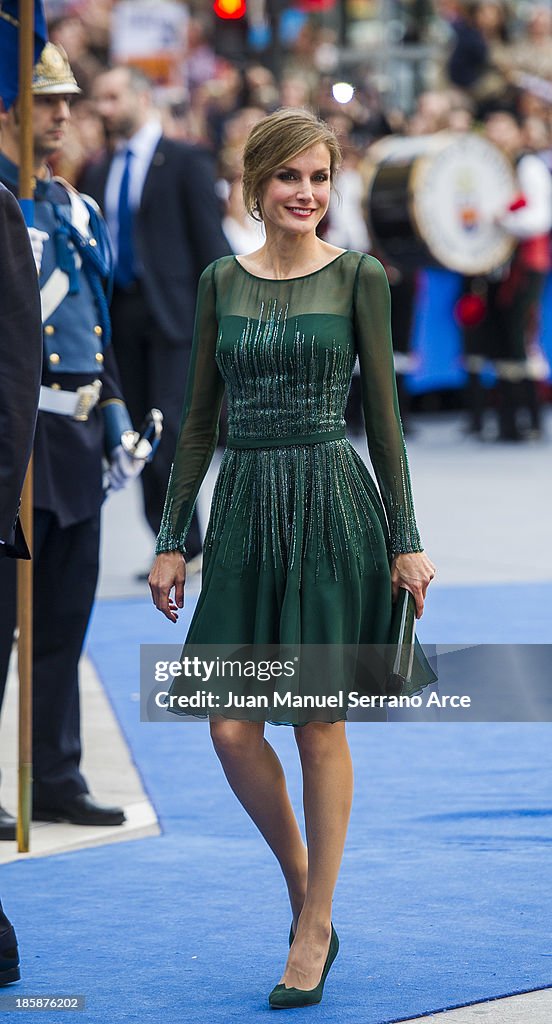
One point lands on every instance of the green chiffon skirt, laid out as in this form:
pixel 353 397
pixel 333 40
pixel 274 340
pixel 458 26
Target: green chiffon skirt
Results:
pixel 295 559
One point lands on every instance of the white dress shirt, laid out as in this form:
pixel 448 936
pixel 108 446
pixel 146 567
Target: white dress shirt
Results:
pixel 535 183
pixel 143 145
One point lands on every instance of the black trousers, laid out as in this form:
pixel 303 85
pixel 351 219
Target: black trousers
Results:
pixel 154 373
pixel 65 576
pixel 510 311
pixel 511 317
pixel 4 921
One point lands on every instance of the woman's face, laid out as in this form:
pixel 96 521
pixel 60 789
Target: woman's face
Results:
pixel 296 196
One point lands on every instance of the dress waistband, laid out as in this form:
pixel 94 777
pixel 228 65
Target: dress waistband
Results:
pixel 288 440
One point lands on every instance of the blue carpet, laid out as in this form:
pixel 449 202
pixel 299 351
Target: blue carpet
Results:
pixel 512 613
pixel 444 897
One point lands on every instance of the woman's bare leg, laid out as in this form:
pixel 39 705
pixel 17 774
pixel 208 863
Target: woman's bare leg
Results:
pixel 257 778
pixel 327 799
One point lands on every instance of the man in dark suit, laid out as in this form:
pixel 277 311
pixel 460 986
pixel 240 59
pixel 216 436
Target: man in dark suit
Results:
pixel 159 200
pixel 20 367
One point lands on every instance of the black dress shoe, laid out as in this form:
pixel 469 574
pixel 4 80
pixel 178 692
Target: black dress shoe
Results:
pixel 7 825
pixel 80 810
pixel 9 957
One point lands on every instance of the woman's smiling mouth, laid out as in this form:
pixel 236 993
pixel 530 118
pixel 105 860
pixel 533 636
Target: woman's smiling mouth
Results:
pixel 300 211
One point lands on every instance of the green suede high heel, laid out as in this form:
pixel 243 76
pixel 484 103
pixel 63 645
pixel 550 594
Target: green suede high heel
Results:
pixel 283 998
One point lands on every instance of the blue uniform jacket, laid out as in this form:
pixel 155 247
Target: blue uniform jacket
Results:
pixel 68 453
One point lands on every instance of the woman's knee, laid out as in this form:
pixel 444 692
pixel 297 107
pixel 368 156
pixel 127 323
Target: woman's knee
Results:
pixel 234 739
pixel 317 740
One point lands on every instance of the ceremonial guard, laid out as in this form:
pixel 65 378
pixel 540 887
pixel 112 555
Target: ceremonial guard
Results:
pixel 81 420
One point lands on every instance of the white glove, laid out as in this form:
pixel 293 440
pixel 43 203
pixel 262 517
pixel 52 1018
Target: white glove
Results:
pixel 38 239
pixel 122 468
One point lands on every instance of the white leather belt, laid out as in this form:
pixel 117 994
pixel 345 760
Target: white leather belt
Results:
pixel 77 404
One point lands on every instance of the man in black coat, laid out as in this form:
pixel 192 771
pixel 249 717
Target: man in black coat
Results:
pixel 159 201
pixel 20 367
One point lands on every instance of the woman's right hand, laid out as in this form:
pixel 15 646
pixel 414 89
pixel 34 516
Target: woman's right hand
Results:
pixel 168 571
pixel 414 571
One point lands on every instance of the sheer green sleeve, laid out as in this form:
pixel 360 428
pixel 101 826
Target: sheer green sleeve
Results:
pixel 372 321
pixel 199 428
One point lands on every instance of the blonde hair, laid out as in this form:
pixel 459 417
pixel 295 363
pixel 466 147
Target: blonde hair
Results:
pixel 274 140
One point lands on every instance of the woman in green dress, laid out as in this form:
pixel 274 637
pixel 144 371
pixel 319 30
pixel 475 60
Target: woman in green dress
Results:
pixel 300 548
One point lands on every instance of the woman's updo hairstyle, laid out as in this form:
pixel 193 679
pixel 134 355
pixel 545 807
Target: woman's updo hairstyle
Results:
pixel 274 140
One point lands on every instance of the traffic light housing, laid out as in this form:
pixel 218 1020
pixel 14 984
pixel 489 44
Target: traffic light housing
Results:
pixel 230 28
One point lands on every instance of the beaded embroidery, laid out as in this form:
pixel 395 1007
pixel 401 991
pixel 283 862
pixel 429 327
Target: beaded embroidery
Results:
pixel 283 381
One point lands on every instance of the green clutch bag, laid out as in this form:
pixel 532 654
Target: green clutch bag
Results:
pixel 409 669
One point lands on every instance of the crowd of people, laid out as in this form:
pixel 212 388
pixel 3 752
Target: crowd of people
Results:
pixel 486 59
pixel 482 54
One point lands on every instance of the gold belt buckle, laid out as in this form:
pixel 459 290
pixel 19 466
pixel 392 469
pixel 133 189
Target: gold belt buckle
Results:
pixel 88 396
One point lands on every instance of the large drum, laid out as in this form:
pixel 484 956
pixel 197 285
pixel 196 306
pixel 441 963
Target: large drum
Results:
pixel 432 201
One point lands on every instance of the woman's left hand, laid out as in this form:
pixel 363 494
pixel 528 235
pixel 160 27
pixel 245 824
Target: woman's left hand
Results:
pixel 414 571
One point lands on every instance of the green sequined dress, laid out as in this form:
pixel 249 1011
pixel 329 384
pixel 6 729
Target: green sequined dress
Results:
pixel 299 541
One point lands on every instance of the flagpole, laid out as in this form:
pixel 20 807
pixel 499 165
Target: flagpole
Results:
pixel 25 567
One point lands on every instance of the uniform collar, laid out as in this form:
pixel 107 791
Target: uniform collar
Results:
pixel 9 172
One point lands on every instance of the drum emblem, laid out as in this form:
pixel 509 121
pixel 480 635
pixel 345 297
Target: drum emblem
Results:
pixel 467 207
pixel 434 200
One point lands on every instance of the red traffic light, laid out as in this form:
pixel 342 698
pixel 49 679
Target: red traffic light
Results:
pixel 230 9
